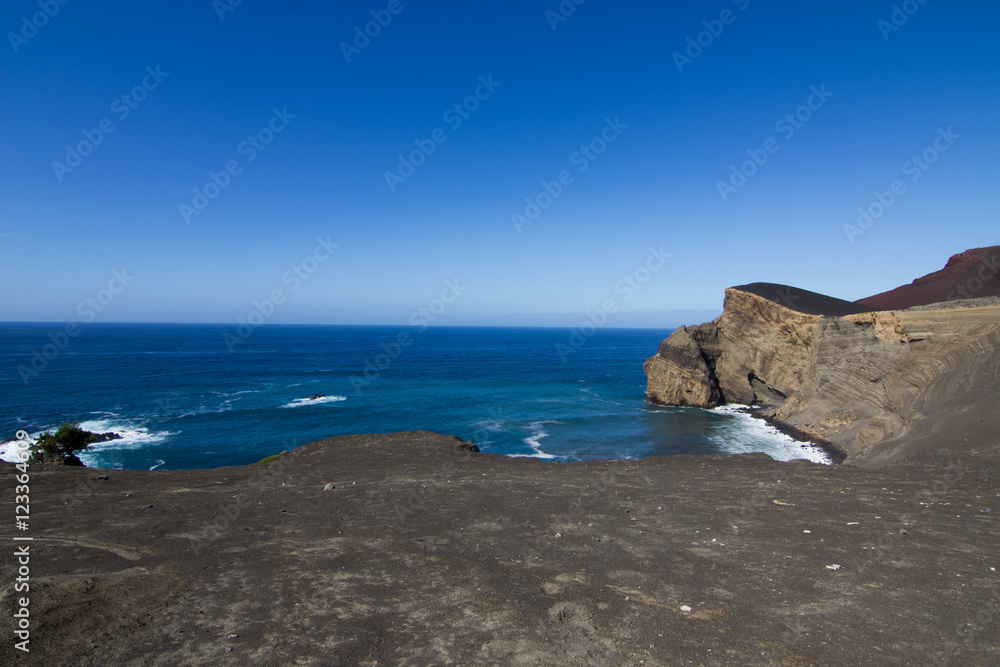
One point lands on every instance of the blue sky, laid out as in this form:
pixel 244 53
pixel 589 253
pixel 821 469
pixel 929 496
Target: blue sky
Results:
pixel 200 81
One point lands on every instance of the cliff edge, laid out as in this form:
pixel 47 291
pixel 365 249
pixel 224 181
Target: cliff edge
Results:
pixel 878 385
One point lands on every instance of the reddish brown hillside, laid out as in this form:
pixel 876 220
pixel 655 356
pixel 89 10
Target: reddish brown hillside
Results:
pixel 968 275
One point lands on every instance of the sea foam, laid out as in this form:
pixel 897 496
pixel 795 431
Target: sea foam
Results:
pixel 533 441
pixel 299 402
pixel 750 434
pixel 133 436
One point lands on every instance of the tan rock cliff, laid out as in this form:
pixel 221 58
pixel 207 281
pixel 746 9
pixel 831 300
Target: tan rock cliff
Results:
pixel 876 385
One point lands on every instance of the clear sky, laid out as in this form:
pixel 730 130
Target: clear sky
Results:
pixel 642 109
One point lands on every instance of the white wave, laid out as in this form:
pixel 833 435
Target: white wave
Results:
pixel 537 446
pixel 159 462
pixel 750 434
pixel 533 441
pixel 10 452
pixel 133 436
pixel 299 402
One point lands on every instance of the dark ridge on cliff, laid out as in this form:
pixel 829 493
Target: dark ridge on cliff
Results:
pixel 972 274
pixel 804 301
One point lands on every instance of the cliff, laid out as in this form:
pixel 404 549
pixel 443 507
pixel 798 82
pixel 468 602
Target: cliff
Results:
pixel 877 385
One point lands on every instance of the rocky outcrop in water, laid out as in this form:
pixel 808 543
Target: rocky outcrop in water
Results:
pixel 877 385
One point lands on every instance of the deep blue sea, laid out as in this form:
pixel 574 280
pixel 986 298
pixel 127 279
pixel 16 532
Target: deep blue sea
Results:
pixel 182 399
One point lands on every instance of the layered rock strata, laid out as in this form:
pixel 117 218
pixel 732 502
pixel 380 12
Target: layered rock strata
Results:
pixel 877 385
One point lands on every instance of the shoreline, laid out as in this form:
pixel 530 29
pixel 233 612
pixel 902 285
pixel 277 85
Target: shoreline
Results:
pixel 136 436
pixel 837 454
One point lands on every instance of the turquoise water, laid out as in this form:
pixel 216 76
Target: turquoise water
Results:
pixel 182 399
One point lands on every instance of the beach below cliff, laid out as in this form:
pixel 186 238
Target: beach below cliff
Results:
pixel 412 549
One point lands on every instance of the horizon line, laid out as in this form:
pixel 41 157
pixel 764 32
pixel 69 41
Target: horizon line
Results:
pixel 316 324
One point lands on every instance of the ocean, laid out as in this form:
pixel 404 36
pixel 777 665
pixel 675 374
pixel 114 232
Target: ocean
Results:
pixel 197 396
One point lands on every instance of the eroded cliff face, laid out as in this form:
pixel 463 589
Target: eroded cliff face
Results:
pixel 877 385
pixel 756 351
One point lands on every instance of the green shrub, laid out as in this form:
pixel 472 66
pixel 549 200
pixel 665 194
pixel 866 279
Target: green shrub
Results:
pixel 272 457
pixel 66 441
